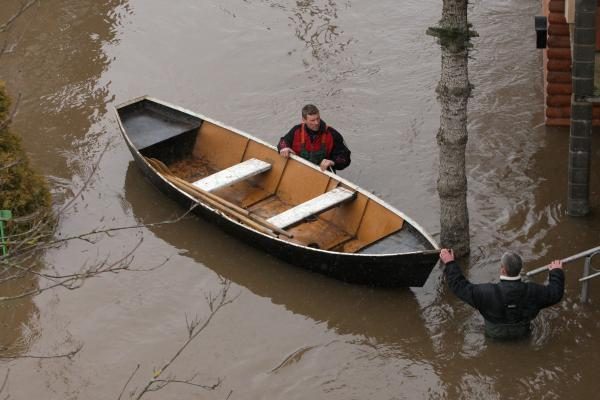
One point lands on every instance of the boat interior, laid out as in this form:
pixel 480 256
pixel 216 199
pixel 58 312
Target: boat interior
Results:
pixel 292 201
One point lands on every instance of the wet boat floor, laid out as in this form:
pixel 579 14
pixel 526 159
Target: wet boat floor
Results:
pixel 313 232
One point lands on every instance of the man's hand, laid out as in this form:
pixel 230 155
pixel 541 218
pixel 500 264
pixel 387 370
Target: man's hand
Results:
pixel 325 164
pixel 555 264
pixel 447 255
pixel 286 151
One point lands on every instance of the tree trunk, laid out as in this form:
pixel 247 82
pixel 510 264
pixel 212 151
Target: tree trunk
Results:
pixel 453 91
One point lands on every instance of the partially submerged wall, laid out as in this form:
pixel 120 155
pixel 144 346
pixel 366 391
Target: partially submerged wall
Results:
pixel 557 66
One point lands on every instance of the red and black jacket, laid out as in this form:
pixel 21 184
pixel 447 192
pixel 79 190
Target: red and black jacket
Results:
pixel 309 144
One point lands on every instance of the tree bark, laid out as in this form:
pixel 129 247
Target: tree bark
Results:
pixel 453 92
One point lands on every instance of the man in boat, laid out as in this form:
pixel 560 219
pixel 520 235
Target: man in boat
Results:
pixel 316 142
pixel 507 307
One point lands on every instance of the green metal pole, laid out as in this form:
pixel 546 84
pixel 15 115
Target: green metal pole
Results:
pixel 2 237
pixel 5 215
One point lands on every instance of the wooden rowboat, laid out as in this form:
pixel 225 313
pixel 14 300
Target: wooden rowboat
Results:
pixel 286 207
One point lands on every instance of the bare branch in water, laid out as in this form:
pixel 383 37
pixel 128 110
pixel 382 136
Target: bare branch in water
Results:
pixel 4 382
pixel 11 164
pixel 20 262
pixel 68 355
pixel 24 7
pixel 14 111
pixel 127 383
pixel 194 327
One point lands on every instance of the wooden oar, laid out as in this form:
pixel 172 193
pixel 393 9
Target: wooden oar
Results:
pixel 217 202
pixel 232 213
pixel 163 169
pixel 188 187
pixel 167 172
pixel 201 192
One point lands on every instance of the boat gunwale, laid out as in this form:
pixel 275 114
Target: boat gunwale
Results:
pixel 351 185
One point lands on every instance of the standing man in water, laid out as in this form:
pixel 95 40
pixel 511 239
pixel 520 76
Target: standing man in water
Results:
pixel 316 142
pixel 507 307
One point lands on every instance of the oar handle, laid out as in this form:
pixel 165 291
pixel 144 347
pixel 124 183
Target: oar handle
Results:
pixel 216 201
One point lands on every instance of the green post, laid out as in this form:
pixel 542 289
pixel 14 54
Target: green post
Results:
pixel 5 215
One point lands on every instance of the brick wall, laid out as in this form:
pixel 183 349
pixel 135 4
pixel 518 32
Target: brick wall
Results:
pixel 557 67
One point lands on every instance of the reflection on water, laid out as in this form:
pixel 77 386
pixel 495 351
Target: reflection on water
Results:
pixel 300 291
pixel 62 97
pixel 45 45
pixel 19 326
pixel 57 65
pixel 315 25
pixel 294 334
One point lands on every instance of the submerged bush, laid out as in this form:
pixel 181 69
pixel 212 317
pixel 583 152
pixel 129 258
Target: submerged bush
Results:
pixel 22 190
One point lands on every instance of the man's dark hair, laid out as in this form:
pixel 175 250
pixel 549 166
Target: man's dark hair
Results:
pixel 309 109
pixel 512 263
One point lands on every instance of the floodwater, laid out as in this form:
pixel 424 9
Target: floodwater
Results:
pixel 290 334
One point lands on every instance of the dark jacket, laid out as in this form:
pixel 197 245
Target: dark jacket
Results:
pixel 339 154
pixel 509 306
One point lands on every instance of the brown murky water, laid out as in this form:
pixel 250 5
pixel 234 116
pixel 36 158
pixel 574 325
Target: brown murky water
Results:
pixel 291 334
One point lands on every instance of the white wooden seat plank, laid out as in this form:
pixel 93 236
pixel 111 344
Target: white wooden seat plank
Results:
pixel 311 207
pixel 233 174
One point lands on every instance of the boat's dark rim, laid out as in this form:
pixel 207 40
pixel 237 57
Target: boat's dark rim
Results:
pixel 371 196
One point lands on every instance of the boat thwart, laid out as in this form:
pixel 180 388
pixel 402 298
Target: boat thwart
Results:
pixel 285 206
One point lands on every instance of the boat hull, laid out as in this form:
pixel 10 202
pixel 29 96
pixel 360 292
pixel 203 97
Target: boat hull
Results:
pixel 407 269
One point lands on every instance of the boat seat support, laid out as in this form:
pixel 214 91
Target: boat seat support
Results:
pixel 311 207
pixel 233 174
